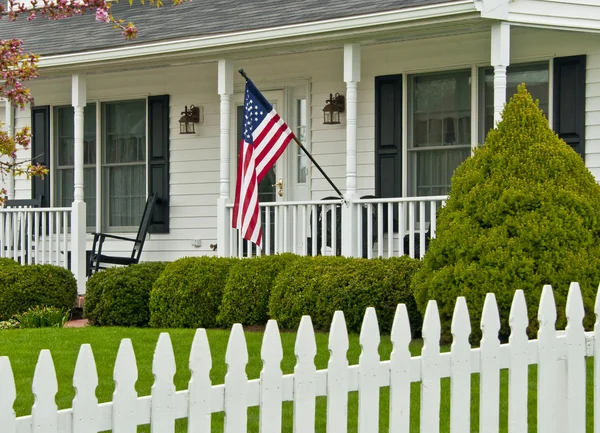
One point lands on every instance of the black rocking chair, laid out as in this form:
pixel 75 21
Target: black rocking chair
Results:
pixel 96 256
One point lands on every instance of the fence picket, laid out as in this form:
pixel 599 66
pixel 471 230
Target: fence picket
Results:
pixel 430 370
pixel 125 375
pixel 236 382
pixel 271 389
pixel 85 382
pixel 546 409
pixel 575 336
pixel 489 402
pixel 199 411
pixel 305 378
pixel 368 377
pixel 400 372
pixel 460 391
pixel 337 376
pixel 597 363
pixel 7 397
pixel 162 419
pixel 44 413
pixel 518 371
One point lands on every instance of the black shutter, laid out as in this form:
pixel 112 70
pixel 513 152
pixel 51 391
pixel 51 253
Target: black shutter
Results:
pixel 388 136
pixel 158 160
pixel 569 101
pixel 40 151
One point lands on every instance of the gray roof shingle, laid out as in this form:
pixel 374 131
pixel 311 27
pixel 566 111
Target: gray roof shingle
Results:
pixel 195 18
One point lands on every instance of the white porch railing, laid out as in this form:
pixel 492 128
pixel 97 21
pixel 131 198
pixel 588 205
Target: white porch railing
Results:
pixel 36 235
pixel 383 228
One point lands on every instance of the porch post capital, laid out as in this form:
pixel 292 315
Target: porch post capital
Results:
pixel 225 75
pixel 78 90
pixel 351 63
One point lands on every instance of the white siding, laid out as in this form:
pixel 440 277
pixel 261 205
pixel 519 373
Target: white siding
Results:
pixel 194 167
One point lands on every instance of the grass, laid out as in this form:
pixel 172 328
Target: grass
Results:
pixel 23 346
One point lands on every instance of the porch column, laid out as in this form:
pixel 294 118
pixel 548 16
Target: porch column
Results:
pixel 225 85
pixel 500 61
pixel 78 265
pixel 351 77
pixel 9 120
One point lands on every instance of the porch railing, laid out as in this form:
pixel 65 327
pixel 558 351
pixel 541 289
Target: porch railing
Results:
pixel 381 228
pixel 36 235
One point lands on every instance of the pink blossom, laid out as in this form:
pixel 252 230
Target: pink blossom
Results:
pixel 102 15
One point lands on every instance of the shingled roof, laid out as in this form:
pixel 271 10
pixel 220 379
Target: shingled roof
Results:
pixel 192 19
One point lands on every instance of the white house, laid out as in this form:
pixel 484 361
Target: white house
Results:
pixel 423 81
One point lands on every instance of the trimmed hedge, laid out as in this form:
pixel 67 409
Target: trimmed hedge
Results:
pixel 188 293
pixel 246 294
pixel 25 287
pixel 318 286
pixel 120 296
pixel 523 212
pixel 6 261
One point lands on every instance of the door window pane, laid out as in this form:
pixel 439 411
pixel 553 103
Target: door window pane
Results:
pixel 301 159
pixel 124 163
pixel 536 78
pixel 439 130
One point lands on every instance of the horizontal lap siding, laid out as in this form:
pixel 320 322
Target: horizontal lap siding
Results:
pixel 592 116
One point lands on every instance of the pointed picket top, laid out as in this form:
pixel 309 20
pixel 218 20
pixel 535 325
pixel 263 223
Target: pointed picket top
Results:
pixel 200 358
pixel 237 351
pixel 369 332
pixel 163 362
pixel 401 333
pixel 200 364
pixel 461 324
pixel 575 311
pixel 44 412
pixel 338 336
pixel 431 324
pixel 518 319
pixel 86 375
pixel 125 372
pixel 85 381
pixel 7 396
pixel 271 352
pixel 125 376
pixel 490 317
pixel 547 311
pixel 306 345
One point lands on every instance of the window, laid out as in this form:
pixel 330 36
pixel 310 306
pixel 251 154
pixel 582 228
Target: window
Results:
pixel 302 166
pixel 439 130
pixel 536 78
pixel 124 163
pixel 64 140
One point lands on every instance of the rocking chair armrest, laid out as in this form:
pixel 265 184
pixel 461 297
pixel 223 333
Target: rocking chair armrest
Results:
pixel 106 235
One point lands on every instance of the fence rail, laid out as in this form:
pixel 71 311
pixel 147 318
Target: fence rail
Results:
pixel 36 235
pixel 560 357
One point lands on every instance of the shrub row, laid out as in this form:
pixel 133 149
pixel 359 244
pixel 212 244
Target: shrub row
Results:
pixel 209 292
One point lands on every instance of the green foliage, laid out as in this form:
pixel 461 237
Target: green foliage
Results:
pixel 318 286
pixel 120 296
pixel 188 293
pixel 246 294
pixel 44 317
pixel 9 324
pixel 523 212
pixel 6 261
pixel 24 287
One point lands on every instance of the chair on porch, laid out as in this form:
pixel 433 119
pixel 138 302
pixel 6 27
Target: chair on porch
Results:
pixel 328 219
pixel 15 221
pixel 97 259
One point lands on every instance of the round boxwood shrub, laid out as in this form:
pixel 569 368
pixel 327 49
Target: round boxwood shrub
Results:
pixel 319 286
pixel 246 294
pixel 7 261
pixel 188 293
pixel 523 212
pixel 24 287
pixel 121 296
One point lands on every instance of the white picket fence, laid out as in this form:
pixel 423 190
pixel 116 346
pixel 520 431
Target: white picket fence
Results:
pixel 560 356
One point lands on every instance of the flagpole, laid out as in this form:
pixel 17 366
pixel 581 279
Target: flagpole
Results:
pixel 243 74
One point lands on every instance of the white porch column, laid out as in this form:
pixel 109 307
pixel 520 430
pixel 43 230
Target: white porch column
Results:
pixel 500 61
pixel 351 77
pixel 225 86
pixel 78 265
pixel 9 122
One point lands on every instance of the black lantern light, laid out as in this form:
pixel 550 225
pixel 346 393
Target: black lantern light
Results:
pixel 188 118
pixel 335 105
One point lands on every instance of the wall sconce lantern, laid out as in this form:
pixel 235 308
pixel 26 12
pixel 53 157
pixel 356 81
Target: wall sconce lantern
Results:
pixel 188 119
pixel 335 105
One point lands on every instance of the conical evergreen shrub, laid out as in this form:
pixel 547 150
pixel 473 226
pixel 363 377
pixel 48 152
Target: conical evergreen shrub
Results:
pixel 523 211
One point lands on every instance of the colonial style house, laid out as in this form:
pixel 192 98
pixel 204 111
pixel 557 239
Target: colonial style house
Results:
pixel 409 88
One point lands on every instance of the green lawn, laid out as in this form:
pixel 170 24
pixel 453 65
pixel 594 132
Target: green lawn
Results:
pixel 23 346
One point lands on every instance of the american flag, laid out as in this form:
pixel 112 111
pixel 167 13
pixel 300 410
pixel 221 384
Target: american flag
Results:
pixel 265 138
